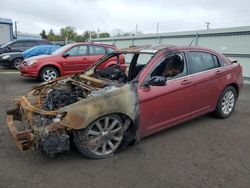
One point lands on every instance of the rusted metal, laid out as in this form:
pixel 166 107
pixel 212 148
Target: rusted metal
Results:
pixel 23 139
pixel 96 82
pixel 28 107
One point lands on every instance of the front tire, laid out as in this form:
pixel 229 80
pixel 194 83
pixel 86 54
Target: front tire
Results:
pixel 226 103
pixel 48 73
pixel 101 138
pixel 16 63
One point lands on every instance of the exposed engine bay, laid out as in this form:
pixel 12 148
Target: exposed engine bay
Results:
pixel 57 94
pixel 70 90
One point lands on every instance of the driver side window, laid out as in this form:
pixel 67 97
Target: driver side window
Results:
pixel 172 66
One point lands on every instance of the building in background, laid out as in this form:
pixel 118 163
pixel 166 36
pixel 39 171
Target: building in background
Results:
pixel 6 30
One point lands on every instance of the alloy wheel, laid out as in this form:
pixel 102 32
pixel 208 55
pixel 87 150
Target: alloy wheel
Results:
pixel 49 74
pixel 228 102
pixel 104 136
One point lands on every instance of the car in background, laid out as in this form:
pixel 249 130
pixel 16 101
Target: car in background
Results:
pixel 21 45
pixel 13 59
pixel 104 110
pixel 69 59
pixel 40 50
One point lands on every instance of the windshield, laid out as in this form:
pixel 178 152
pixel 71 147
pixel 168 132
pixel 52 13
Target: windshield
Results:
pixel 127 67
pixel 60 50
pixel 6 44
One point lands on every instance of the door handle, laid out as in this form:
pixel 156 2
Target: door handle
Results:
pixel 217 72
pixel 84 58
pixel 185 82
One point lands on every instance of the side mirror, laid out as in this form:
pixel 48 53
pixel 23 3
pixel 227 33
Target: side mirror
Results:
pixel 156 81
pixel 65 55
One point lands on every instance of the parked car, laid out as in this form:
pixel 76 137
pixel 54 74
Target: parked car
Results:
pixel 69 59
pixel 104 110
pixel 21 45
pixel 14 59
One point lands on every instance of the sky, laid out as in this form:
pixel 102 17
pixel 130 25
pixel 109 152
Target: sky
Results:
pixel 126 15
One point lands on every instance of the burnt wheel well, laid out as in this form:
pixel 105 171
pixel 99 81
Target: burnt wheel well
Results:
pixel 55 67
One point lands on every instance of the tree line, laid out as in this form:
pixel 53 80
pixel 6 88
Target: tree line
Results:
pixel 69 33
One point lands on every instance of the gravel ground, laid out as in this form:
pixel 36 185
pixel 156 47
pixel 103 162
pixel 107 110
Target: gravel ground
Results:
pixel 205 152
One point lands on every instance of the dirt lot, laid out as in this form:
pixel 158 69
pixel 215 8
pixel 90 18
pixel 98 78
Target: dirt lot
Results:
pixel 205 152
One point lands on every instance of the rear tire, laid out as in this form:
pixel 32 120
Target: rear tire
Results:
pixel 226 103
pixel 101 138
pixel 48 73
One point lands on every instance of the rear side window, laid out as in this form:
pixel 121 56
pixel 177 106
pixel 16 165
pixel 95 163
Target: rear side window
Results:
pixel 42 42
pixel 30 44
pixel 96 50
pixel 202 61
pixel 17 44
pixel 78 51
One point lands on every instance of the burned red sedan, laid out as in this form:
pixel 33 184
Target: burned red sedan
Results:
pixel 105 109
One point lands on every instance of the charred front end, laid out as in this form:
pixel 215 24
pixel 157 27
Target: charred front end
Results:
pixel 35 123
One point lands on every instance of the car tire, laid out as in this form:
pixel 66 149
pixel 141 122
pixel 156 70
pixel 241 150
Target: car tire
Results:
pixel 48 73
pixel 16 62
pixel 101 138
pixel 226 103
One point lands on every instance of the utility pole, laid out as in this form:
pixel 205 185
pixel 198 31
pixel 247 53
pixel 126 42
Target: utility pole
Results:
pixel 98 33
pixel 16 22
pixel 207 23
pixel 157 33
pixel 157 28
pixel 136 29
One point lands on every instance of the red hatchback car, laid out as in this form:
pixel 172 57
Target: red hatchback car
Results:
pixel 70 59
pixel 104 109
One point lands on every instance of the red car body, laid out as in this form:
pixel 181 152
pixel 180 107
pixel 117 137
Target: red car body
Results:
pixel 66 64
pixel 121 107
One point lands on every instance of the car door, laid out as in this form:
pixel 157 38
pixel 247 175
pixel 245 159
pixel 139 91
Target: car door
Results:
pixel 164 106
pixel 75 59
pixel 206 73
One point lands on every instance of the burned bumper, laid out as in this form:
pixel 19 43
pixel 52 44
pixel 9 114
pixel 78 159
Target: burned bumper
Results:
pixel 51 138
pixel 23 139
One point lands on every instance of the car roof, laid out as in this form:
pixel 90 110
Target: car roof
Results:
pixel 24 40
pixel 155 48
pixel 93 43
